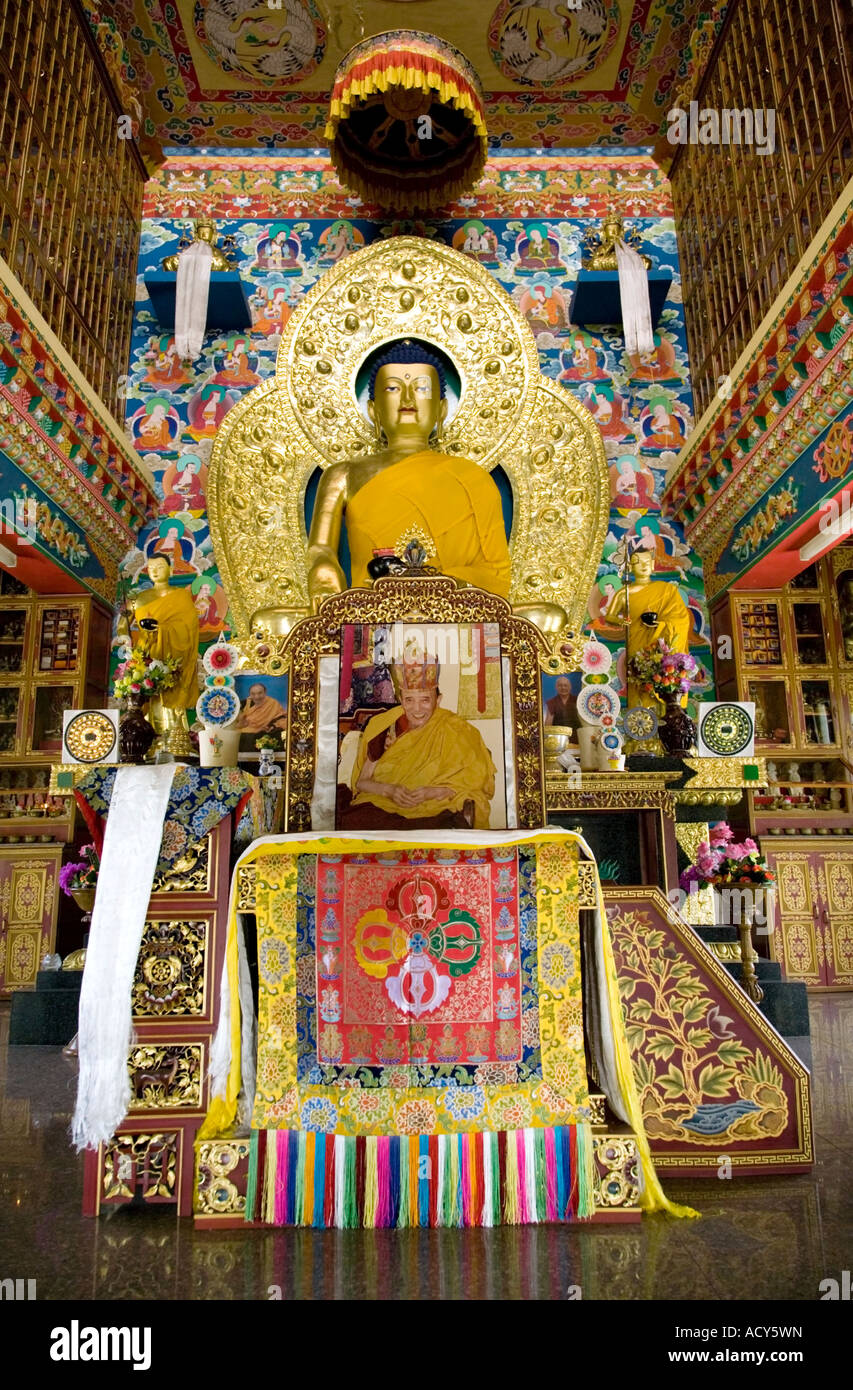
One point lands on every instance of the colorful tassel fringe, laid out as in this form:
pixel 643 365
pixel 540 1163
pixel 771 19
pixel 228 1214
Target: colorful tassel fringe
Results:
pixel 517 1177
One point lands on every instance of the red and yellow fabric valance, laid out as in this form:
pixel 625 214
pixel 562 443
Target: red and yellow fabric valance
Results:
pixel 406 123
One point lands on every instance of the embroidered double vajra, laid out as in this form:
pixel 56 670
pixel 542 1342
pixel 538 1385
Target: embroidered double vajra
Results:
pixel 417 955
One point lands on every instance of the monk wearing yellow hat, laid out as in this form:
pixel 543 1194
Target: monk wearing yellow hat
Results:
pixel 418 765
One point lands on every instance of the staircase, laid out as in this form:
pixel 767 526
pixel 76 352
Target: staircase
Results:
pixel 785 1003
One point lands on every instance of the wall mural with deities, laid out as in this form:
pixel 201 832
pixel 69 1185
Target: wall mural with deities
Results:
pixel 525 222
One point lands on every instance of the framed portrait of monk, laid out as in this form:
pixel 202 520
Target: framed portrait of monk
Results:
pixel 421 728
pixel 263 707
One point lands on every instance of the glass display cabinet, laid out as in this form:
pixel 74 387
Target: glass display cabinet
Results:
pixel 791 652
pixel 54 654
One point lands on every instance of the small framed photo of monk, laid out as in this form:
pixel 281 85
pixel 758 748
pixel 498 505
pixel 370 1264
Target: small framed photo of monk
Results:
pixel 263 707
pixel 560 702
pixel 421 728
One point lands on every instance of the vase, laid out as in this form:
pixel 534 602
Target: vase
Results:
pixel 218 747
pixel 84 898
pixel 676 730
pixel 135 734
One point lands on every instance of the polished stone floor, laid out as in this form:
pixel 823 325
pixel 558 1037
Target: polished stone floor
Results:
pixel 763 1238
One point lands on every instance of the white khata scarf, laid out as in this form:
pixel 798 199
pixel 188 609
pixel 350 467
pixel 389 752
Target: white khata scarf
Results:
pixel 131 848
pixel 634 294
pixel 191 293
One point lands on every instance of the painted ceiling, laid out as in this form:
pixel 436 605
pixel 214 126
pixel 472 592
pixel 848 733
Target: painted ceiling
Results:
pixel 557 74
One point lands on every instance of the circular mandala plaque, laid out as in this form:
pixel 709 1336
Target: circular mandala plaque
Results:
pixel 640 722
pixel 597 703
pixel 90 736
pixel 217 708
pixel 726 730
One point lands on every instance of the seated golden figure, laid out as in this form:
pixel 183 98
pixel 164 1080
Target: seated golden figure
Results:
pixel 418 765
pixel 599 245
pixel 302 466
pixel 408 490
pixel 655 610
pixel 204 229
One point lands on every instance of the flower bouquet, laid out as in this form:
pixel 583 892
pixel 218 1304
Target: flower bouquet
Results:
pixel 140 676
pixel 661 672
pixel 720 863
pixel 137 679
pixel 271 739
pixel 667 676
pixel 743 892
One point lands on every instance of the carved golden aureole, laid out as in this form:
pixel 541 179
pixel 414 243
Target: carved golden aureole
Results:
pixel 272 442
pixel 429 600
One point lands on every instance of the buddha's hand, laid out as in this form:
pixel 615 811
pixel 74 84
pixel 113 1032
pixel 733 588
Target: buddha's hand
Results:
pixel 325 578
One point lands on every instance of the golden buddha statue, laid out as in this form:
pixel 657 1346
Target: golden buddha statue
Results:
pixel 655 610
pixel 167 617
pixel 408 490
pixel 204 229
pixel 599 244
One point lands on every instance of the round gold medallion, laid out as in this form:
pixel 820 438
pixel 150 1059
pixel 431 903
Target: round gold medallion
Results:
pixel 90 736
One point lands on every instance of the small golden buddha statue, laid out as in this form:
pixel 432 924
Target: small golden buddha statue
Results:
pixel 655 610
pixel 204 229
pixel 167 619
pixel 599 244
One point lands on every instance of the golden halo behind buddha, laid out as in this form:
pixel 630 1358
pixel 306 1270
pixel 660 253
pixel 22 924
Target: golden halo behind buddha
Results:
pixel 508 414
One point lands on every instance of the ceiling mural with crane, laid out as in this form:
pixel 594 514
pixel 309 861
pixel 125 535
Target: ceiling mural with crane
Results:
pixel 556 74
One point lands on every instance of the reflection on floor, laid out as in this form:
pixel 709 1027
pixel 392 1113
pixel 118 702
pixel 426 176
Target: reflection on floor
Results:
pixel 765 1238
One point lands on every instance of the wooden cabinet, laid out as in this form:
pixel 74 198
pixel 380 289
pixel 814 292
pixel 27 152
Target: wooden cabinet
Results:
pixel 813 935
pixel 29 899
pixel 791 651
pixel 54 655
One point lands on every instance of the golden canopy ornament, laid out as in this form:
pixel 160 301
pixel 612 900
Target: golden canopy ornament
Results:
pixel 406 127
pixel 308 417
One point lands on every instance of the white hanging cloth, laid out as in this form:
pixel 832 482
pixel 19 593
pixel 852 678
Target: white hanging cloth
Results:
pixel 191 294
pixel 132 839
pixel 634 294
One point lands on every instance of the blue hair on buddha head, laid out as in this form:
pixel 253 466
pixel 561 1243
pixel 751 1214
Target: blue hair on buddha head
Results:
pixel 409 354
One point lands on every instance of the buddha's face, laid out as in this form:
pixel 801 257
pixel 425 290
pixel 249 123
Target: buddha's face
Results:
pixel 159 571
pixel 407 402
pixel 642 564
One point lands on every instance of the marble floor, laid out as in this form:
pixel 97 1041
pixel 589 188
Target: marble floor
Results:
pixel 763 1238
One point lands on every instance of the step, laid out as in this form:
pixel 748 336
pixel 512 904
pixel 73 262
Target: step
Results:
pixel 59 979
pixel 44 1018
pixel 785 1003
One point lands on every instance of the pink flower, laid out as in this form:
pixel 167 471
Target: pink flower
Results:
pixel 148 683
pixel 135 687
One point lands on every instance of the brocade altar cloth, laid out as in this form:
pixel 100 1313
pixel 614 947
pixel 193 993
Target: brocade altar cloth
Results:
pixel 420 1055
pixel 199 799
